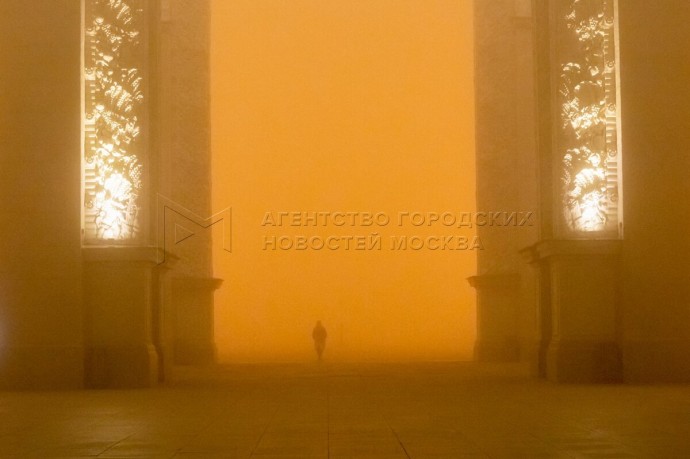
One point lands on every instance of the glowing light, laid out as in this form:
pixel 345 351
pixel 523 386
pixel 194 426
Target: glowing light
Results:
pixel 113 100
pixel 588 136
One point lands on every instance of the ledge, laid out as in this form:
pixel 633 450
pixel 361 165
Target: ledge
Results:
pixel 207 283
pixel 507 281
pixel 148 254
pixel 571 248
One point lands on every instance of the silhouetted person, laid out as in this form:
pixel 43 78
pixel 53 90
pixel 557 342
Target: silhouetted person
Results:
pixel 319 334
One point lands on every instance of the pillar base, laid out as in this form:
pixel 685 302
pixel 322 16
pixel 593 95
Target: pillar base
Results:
pixel 119 288
pixel 583 361
pixel 193 329
pixel 496 317
pixel 656 361
pixel 579 282
pixel 41 367
pixel 122 366
pixel 194 354
pixel 503 350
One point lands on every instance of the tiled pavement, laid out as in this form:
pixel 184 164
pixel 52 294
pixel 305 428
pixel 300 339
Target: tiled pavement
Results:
pixel 430 411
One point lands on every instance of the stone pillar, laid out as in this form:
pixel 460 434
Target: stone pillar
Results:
pixel 41 325
pixel 181 167
pixel 655 97
pixel 497 335
pixel 192 298
pixel 118 298
pixel 506 178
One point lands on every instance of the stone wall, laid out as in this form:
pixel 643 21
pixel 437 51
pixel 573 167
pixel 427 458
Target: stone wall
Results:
pixel 41 329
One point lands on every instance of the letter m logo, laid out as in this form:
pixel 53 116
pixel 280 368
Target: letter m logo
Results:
pixel 175 224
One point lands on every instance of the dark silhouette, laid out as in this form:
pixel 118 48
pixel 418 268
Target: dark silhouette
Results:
pixel 319 334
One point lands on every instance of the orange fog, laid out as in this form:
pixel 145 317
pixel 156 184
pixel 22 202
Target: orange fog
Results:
pixel 332 105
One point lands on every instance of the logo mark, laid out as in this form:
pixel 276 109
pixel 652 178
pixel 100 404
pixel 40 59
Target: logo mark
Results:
pixel 166 208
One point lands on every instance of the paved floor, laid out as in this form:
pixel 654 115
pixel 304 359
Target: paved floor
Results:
pixel 386 411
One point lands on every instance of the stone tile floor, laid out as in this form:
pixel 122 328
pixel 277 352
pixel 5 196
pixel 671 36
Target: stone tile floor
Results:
pixel 434 411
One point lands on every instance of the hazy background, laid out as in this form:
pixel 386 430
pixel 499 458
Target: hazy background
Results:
pixel 332 105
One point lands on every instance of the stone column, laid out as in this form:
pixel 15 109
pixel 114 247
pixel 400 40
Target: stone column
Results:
pixel 506 178
pixel 655 99
pixel 181 165
pixel 41 325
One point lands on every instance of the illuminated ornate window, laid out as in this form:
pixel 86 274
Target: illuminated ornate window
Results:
pixel 113 119
pixel 588 140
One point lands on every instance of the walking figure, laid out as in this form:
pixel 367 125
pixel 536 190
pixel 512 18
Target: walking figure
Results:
pixel 319 334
